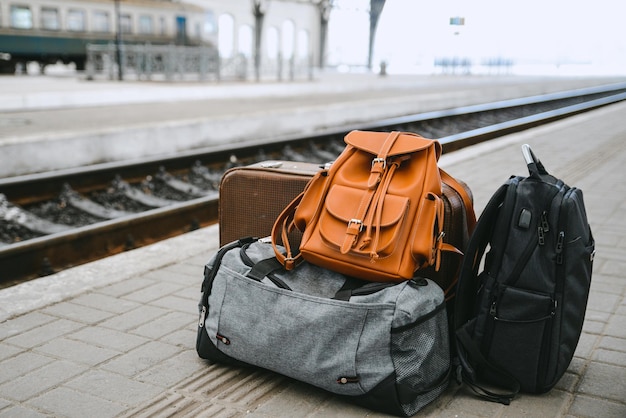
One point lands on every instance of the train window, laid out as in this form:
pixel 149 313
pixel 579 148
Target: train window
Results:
pixel 126 24
pixel 21 17
pixel 50 18
pixel 76 20
pixel 101 22
pixel 146 26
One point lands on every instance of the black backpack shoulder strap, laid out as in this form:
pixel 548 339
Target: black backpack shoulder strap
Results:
pixel 465 340
pixel 466 294
pixel 467 283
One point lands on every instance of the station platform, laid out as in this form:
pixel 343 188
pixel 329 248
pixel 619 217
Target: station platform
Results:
pixel 53 123
pixel 116 337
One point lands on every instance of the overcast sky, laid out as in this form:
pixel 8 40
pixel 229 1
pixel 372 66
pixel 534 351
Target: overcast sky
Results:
pixel 545 33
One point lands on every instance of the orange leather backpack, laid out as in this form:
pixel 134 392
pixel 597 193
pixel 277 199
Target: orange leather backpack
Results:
pixel 376 213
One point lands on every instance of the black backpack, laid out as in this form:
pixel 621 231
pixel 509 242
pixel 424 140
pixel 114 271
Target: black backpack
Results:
pixel 518 321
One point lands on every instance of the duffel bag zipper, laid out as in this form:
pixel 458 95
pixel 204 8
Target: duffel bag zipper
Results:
pixel 347 379
pixel 224 340
pixel 202 317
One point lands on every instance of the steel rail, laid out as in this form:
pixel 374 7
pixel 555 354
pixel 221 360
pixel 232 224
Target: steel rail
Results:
pixel 85 179
pixel 468 138
pixel 50 253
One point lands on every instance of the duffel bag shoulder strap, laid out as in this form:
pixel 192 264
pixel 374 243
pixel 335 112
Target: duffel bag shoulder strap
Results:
pixel 209 273
pixel 267 268
pixel 467 288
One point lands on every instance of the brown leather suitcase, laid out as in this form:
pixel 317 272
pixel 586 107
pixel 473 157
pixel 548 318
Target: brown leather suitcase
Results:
pixel 252 197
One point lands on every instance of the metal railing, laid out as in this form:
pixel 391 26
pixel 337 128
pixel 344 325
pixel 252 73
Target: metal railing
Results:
pixel 174 62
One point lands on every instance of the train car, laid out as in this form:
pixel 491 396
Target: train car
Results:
pixel 49 31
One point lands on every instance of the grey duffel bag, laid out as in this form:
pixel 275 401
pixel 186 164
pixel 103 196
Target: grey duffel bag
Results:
pixel 381 345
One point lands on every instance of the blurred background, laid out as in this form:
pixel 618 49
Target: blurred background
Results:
pixel 529 37
pixel 256 38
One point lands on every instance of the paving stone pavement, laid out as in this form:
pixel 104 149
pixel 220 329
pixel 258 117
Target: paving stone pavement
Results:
pixel 116 338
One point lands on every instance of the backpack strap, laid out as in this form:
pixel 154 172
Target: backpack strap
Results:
pixel 464 341
pixel 468 278
pixel 467 289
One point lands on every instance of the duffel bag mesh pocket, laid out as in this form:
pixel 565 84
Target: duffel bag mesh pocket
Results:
pixel 421 356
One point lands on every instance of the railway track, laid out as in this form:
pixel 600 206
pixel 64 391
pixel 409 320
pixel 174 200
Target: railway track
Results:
pixel 52 221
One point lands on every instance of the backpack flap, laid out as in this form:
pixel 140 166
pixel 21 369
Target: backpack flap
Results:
pixel 405 143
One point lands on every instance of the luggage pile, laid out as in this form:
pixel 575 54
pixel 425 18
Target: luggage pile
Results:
pixel 358 283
